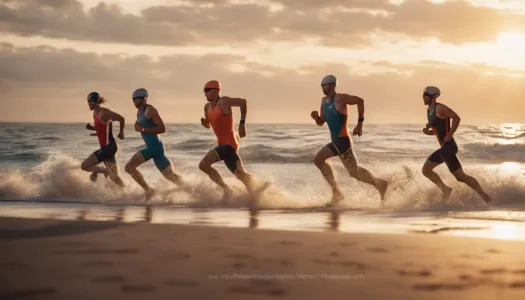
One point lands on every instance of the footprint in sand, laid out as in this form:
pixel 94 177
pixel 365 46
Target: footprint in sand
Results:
pixel 76 244
pixel 347 244
pixel 422 273
pixel 138 288
pixel 274 292
pixel 352 264
pixel 107 279
pixel 440 286
pixel 101 251
pixel 493 271
pixel 238 265
pixel 325 262
pixel 182 283
pixel 517 285
pixel 377 250
pixel 289 243
pixel 179 255
pixel 243 290
pixel 96 263
pixel 494 251
pixel 241 256
pixel 262 282
pixel 29 293
pixel 11 265
pixel 519 272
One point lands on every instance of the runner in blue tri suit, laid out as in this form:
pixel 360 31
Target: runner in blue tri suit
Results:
pixel 334 112
pixel 150 125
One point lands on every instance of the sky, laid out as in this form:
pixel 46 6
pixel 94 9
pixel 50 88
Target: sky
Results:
pixel 272 53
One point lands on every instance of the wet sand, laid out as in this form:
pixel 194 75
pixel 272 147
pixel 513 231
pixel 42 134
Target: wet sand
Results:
pixel 62 259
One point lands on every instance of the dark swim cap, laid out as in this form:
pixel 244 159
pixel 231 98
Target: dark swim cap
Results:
pixel 93 97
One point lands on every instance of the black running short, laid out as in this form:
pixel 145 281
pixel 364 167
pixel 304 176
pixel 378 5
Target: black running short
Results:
pixel 107 153
pixel 228 155
pixel 447 154
pixel 340 145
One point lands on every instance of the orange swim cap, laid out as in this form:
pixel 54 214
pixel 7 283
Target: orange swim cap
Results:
pixel 213 84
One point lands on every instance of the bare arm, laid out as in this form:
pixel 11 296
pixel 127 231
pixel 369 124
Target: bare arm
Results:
pixel 320 119
pixel 111 115
pixel 152 113
pixel 445 112
pixel 240 102
pixel 204 121
pixel 354 100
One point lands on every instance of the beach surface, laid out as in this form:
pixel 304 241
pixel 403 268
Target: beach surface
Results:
pixel 81 259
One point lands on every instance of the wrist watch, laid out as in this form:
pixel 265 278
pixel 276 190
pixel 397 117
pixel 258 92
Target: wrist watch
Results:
pixel 361 119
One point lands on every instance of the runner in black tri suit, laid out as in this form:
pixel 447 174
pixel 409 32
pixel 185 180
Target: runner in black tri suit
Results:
pixel 439 116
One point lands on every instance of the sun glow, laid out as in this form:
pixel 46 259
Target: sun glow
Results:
pixel 511 46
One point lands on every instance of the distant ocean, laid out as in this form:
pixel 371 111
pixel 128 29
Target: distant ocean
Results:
pixel 41 162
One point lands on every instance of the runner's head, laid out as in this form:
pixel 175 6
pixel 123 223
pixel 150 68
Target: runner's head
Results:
pixel 212 89
pixel 328 84
pixel 430 94
pixel 139 96
pixel 94 99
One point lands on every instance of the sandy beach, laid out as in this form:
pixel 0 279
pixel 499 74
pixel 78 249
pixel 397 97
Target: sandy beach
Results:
pixel 60 259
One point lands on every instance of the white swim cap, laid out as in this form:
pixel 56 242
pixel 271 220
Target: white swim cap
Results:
pixel 140 93
pixel 432 90
pixel 329 79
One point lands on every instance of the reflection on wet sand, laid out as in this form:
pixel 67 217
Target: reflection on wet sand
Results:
pixel 148 213
pixel 119 216
pixel 334 220
pixel 200 216
pixel 254 218
pixel 82 213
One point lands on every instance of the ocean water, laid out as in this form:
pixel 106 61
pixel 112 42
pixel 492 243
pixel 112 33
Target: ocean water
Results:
pixel 41 162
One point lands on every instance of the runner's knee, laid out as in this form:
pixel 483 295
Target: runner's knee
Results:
pixel 203 166
pixel 319 161
pixel 130 168
pixel 353 170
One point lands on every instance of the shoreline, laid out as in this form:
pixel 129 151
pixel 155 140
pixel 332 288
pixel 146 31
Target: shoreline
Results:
pixel 59 259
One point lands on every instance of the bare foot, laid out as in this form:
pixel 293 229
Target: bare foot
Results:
pixel 150 193
pixel 486 198
pixel 382 186
pixel 446 193
pixel 336 198
pixel 227 195
pixel 93 177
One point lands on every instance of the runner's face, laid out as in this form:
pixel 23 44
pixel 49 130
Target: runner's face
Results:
pixel 327 88
pixel 427 99
pixel 210 93
pixel 91 105
pixel 138 101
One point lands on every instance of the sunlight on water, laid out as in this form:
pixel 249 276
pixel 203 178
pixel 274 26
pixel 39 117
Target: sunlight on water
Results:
pixel 505 231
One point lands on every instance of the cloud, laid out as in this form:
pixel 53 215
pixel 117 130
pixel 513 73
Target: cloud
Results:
pixel 340 23
pixel 54 81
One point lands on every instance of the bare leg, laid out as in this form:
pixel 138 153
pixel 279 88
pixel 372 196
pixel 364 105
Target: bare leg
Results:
pixel 113 172
pixel 428 171
pixel 131 168
pixel 320 162
pixel 471 182
pixel 90 165
pixel 351 164
pixel 246 178
pixel 205 165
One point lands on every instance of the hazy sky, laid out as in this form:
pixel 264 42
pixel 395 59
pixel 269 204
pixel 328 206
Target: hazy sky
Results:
pixel 273 53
